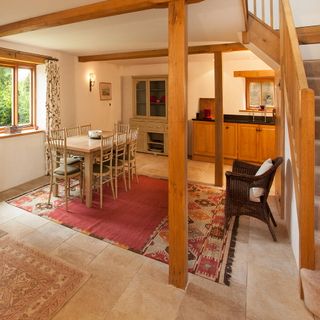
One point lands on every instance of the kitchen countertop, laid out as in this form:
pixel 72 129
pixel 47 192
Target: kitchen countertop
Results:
pixel 243 119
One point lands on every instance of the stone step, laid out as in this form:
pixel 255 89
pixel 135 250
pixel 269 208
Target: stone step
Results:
pixel 317 103
pixel 317 127
pixel 312 68
pixel 317 152
pixel 317 180
pixel 314 83
pixel 317 217
pixel 311 289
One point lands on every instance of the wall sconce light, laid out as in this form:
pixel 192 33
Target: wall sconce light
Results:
pixel 92 80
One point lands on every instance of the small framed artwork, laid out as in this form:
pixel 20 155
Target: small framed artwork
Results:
pixel 105 91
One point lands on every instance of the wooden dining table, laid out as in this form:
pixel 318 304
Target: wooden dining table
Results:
pixel 88 148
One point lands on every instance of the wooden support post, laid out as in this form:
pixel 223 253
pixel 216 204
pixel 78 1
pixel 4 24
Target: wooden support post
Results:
pixel 306 214
pixel 177 121
pixel 219 119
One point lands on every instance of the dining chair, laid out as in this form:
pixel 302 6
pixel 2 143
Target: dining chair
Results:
pixel 72 131
pixel 118 162
pixel 121 128
pixel 130 163
pixel 84 129
pixel 102 169
pixel 60 169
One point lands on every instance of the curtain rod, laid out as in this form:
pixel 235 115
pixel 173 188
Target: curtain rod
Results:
pixel 21 55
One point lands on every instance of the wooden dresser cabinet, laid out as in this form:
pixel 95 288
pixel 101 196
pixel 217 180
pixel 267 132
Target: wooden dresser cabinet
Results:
pixel 248 142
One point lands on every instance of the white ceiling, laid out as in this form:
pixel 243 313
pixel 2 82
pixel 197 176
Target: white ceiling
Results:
pixel 209 21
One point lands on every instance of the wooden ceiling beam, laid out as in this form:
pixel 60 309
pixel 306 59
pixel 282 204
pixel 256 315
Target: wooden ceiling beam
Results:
pixel 83 13
pixel 225 47
pixel 309 34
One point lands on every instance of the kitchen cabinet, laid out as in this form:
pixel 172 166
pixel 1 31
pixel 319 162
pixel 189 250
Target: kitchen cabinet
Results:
pixel 230 141
pixel 243 141
pixel 203 141
pixel 256 142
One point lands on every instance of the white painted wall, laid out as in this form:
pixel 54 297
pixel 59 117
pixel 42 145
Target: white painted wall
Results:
pixel 22 157
pixel 200 80
pixel 90 109
pixel 290 204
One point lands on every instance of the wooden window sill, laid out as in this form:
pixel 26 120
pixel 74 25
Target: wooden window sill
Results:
pixel 21 133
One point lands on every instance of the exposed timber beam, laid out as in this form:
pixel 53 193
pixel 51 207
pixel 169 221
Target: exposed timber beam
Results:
pixel 87 12
pixel 177 143
pixel 224 47
pixel 309 34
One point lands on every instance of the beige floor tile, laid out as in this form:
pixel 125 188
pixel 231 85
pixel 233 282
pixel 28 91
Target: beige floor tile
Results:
pixel 73 255
pixel 114 262
pixel 8 212
pixel 93 301
pixel 31 220
pixel 155 269
pixel 42 241
pixel 56 229
pixel 86 243
pixel 273 295
pixel 209 300
pixel 16 229
pixel 146 298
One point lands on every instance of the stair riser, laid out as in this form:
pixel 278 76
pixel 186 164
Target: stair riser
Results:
pixel 317 183
pixel 312 68
pixel 317 128
pixel 315 85
pixel 317 154
pixel 317 112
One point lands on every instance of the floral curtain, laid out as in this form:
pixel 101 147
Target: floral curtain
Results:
pixel 53 115
pixel 53 95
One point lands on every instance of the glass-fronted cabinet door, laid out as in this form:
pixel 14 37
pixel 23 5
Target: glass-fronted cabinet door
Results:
pixel 141 98
pixel 157 90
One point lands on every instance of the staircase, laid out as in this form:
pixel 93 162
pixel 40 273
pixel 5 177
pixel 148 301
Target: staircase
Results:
pixel 311 279
pixel 312 68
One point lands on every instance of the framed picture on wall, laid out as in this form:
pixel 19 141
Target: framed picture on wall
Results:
pixel 105 91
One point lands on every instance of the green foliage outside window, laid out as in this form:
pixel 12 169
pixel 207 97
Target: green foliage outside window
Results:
pixel 24 102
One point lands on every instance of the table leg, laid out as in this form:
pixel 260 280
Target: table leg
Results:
pixel 88 179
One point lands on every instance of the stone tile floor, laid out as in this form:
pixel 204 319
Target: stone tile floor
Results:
pixel 125 285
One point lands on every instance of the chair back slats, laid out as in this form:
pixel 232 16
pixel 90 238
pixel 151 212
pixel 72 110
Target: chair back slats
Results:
pixel 73 131
pixel 84 129
pixel 106 151
pixel 57 147
pixel 121 128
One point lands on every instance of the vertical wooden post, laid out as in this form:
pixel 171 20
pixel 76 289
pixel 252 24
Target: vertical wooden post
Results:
pixel 306 214
pixel 177 121
pixel 218 119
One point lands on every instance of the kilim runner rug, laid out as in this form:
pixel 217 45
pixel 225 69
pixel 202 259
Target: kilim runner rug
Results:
pixel 138 221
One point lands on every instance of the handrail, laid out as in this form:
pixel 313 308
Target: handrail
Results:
pixel 299 105
pixel 298 102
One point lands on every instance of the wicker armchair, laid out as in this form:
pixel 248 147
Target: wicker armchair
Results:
pixel 238 199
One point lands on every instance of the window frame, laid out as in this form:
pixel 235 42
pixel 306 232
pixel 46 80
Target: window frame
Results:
pixel 32 68
pixel 260 80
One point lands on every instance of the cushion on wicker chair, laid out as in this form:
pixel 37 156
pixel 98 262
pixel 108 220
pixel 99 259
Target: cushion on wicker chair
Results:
pixel 256 192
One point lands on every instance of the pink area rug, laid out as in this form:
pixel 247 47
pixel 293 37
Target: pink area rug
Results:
pixel 34 286
pixel 138 221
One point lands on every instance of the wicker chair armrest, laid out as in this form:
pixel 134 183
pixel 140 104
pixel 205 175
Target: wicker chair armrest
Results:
pixel 240 176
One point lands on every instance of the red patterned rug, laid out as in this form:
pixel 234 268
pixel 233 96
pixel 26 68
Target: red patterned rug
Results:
pixel 33 285
pixel 137 221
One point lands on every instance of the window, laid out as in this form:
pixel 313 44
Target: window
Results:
pixel 259 92
pixel 17 105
